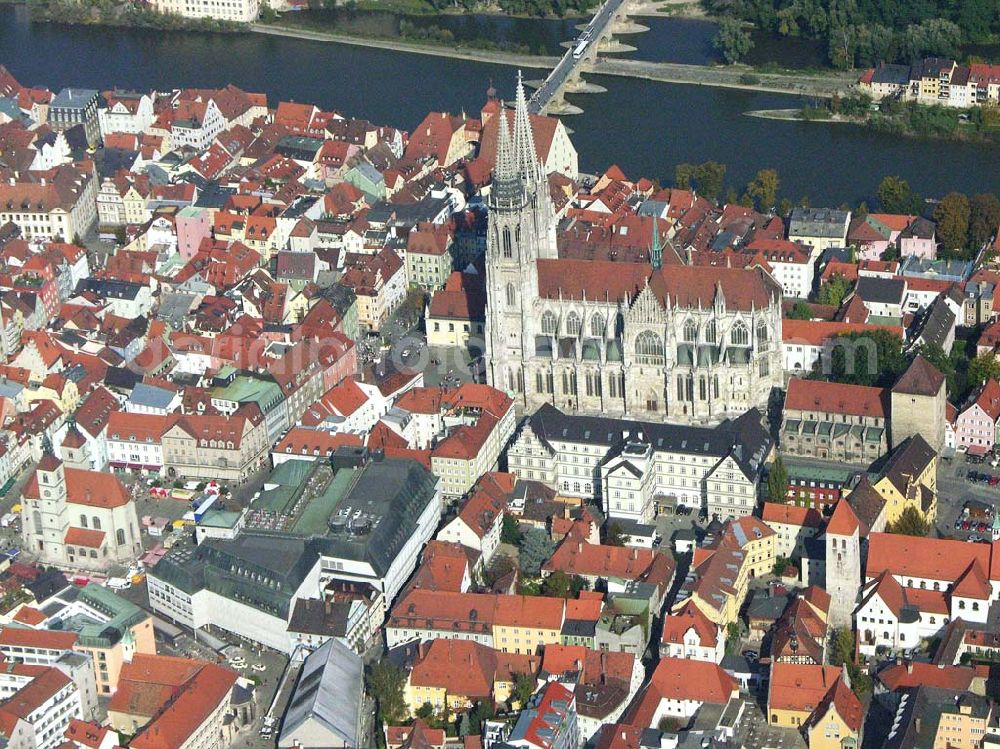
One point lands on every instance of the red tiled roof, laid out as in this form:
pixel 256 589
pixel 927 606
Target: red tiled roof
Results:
pixel 687 617
pixel 686 286
pixel 35 693
pixel 843 522
pixel 800 687
pixel 779 512
pixel 575 557
pixel 815 333
pixel 36 638
pixel 923 557
pixel 90 488
pixel 907 675
pixel 681 679
pixel 185 715
pixel 835 398
pixel 85 537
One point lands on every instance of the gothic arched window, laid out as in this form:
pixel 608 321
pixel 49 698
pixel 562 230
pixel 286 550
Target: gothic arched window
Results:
pixel 120 537
pixel 549 323
pixel 511 295
pixel 761 334
pixel 649 348
pixel 690 331
pixel 573 324
pixel 710 334
pixel 597 326
pixel 739 335
pixel 508 245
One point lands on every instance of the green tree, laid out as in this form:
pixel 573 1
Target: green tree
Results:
pixel 614 536
pixel 558 585
pixel 873 358
pixel 510 531
pixel 952 215
pixel 733 635
pixel 895 196
pixel 683 176
pixel 763 189
pixel 535 548
pixel 385 684
pixel 267 13
pixel 984 218
pixel 910 523
pixel 834 291
pixel 524 687
pixel 777 481
pixel 841 647
pixel 984 367
pixel 800 311
pixel 709 176
pixel 732 40
pixel 780 565
pixel 425 712
pixel 480 713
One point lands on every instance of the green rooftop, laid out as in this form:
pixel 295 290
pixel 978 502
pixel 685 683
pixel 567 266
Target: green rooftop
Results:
pixel 97 631
pixel 245 389
pixel 816 473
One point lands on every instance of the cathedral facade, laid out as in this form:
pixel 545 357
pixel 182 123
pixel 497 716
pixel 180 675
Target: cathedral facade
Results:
pixel 679 343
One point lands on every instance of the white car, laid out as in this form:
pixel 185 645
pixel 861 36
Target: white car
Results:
pixel 259 667
pixel 119 583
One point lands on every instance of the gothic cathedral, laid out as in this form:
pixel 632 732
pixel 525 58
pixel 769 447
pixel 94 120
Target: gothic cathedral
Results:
pixel 679 343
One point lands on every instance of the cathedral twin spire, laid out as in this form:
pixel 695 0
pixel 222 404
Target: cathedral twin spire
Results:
pixel 517 168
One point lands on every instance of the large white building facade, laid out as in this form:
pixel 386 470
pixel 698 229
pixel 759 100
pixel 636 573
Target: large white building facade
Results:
pixel 678 343
pixel 630 466
pixel 237 11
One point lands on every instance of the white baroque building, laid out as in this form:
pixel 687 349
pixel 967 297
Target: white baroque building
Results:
pixel 630 467
pixel 680 343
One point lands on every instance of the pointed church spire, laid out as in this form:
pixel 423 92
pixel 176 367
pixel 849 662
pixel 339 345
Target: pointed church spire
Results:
pixel 503 168
pixel 656 256
pixel 526 157
pixel 506 189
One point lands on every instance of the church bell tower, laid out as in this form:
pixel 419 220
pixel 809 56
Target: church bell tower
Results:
pixel 521 229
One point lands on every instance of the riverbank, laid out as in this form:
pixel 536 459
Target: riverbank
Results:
pixel 798 115
pixel 454 52
pixel 968 130
pixel 735 77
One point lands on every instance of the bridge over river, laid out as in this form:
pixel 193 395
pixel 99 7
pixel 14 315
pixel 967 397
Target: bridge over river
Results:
pixel 596 37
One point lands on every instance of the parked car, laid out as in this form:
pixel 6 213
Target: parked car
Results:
pixel 974 538
pixel 119 583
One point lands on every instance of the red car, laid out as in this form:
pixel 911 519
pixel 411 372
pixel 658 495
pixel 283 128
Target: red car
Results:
pixel 994 480
pixel 965 525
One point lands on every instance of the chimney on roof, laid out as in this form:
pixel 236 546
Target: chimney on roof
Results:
pixel 909 667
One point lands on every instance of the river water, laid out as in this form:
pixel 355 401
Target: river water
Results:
pixel 644 127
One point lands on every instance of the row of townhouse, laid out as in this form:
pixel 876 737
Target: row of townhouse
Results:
pixel 55 204
pixel 935 81
pixel 197 446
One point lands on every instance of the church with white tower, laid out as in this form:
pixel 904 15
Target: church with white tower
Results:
pixel 657 341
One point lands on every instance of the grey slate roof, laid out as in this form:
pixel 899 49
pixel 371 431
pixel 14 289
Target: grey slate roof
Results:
pixel 744 438
pixel 328 695
pixel 818 222
pixel 935 324
pixel 151 396
pixel 881 290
